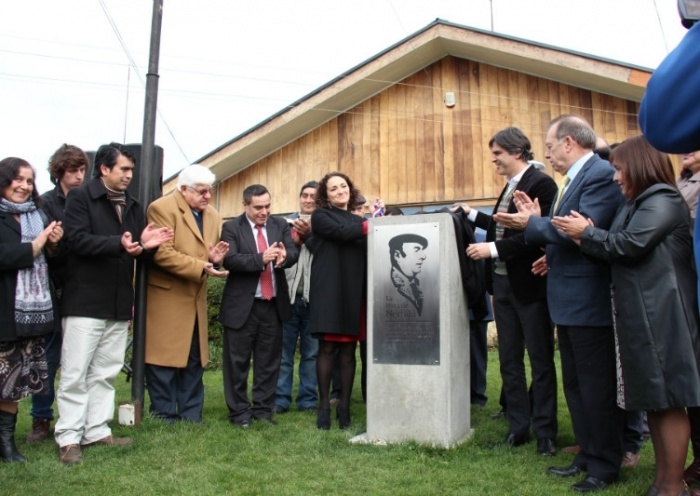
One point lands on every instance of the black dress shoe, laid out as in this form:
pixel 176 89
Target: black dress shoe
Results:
pixel 280 409
pixel 589 484
pixel 243 424
pixel 545 447
pixel 513 440
pixel 569 471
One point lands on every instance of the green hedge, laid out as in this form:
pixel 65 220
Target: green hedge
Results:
pixel 215 288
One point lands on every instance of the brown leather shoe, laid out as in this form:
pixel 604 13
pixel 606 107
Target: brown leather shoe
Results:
pixel 630 460
pixel 70 455
pixel 40 431
pixel 110 441
pixel 572 450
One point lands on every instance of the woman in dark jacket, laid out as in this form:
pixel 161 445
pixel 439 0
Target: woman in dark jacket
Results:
pixel 337 289
pixel 649 249
pixel 26 302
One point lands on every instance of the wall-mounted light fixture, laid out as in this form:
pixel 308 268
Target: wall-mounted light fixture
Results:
pixel 450 99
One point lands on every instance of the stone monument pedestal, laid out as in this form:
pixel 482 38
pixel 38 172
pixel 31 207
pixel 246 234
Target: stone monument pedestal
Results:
pixel 418 384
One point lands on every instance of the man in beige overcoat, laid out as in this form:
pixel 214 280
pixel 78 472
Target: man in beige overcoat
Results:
pixel 176 325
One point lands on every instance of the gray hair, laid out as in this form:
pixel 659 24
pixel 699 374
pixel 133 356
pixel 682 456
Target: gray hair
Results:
pixel 578 128
pixel 195 174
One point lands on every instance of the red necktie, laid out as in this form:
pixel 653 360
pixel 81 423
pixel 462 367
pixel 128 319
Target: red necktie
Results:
pixel 265 275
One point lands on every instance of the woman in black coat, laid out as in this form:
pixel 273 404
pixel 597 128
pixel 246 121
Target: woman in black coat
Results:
pixel 337 290
pixel 649 249
pixel 26 302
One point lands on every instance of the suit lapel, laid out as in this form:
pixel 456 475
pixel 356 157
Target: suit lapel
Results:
pixel 575 184
pixel 522 185
pixel 272 232
pixel 211 230
pixel 188 216
pixel 500 197
pixel 247 235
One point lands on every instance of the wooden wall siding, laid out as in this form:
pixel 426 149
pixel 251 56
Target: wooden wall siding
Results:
pixel 406 146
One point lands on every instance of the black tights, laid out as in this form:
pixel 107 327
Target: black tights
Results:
pixel 324 370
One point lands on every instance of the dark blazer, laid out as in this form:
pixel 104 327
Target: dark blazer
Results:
pixel 338 271
pixel 578 287
pixel 14 256
pixel 513 249
pixel 99 273
pixel 245 265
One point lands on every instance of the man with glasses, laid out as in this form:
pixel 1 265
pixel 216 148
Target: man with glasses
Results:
pixel 176 325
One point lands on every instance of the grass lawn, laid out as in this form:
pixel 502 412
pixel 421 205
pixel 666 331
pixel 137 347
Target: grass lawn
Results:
pixel 295 458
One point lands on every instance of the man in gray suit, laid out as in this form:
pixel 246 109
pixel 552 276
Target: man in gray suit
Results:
pixel 254 304
pixel 578 294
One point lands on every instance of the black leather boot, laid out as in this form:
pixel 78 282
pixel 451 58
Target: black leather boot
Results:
pixel 323 418
pixel 8 449
pixel 343 418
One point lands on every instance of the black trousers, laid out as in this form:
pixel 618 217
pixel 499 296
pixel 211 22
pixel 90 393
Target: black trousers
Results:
pixel 524 326
pixel 478 358
pixel 178 393
pixel 590 386
pixel 259 339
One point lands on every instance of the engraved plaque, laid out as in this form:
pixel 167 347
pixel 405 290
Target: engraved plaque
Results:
pixel 406 299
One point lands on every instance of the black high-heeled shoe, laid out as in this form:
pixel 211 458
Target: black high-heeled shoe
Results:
pixel 343 418
pixel 323 418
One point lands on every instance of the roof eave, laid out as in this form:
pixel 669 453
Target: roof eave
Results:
pixel 436 41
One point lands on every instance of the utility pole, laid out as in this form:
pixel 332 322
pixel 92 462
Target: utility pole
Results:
pixel 147 171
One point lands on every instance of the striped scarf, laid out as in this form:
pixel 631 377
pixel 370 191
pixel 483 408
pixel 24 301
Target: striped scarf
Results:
pixel 33 306
pixel 118 199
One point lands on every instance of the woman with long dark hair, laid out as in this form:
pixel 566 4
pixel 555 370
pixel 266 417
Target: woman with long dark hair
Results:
pixel 337 288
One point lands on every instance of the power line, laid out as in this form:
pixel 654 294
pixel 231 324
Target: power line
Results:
pixel 132 63
pixel 462 94
pixel 661 26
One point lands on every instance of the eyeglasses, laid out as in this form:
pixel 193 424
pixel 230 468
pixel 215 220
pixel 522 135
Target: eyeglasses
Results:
pixel 203 191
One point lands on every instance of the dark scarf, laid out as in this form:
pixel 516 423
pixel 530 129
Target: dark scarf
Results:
pixel 118 199
pixel 33 306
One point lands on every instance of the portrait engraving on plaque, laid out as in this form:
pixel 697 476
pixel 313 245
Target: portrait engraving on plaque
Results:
pixel 406 285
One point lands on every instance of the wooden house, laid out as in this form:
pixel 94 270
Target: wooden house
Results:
pixel 411 125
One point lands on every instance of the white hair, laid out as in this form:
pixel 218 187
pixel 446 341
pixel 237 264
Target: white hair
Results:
pixel 195 174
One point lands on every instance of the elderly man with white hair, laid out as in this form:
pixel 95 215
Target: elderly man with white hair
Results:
pixel 176 325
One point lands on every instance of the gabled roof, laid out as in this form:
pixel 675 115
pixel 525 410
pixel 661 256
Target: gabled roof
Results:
pixel 432 43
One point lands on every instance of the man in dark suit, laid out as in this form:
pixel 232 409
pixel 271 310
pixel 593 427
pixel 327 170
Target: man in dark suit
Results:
pixel 520 298
pixel 254 304
pixel 578 292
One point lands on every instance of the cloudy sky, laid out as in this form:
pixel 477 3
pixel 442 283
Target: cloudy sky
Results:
pixel 74 70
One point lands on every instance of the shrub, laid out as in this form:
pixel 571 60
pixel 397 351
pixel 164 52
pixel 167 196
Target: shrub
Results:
pixel 215 289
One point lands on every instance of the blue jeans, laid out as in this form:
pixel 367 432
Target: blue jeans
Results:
pixel 42 402
pixel 297 329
